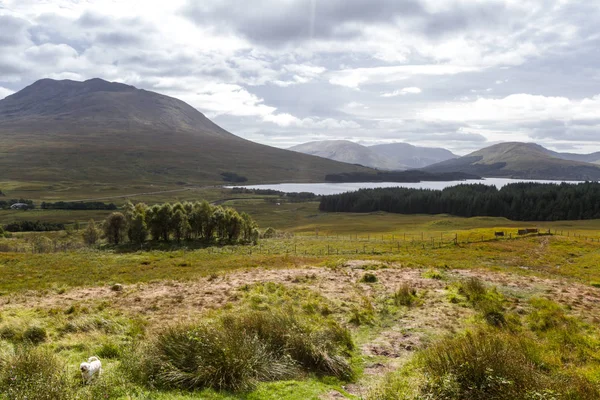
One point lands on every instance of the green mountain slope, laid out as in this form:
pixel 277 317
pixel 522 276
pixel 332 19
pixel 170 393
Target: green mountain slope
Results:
pixel 98 131
pixel 519 160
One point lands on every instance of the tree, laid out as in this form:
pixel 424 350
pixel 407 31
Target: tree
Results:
pixel 179 224
pixel 137 229
pixel 115 227
pixel 91 233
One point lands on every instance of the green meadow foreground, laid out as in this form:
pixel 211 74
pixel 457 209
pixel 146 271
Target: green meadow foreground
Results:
pixel 369 306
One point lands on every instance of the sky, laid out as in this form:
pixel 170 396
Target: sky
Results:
pixel 458 74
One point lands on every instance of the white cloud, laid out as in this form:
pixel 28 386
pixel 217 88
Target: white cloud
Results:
pixel 402 92
pixel 516 108
pixel 5 92
pixel 353 78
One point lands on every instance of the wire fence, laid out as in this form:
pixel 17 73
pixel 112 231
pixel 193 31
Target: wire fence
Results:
pixel 326 244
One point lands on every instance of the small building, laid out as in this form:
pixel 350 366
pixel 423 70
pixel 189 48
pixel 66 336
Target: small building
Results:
pixel 19 206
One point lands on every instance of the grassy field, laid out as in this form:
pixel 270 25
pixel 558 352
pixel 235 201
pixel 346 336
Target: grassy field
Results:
pixel 393 306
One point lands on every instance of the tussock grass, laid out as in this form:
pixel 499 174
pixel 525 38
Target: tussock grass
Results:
pixel 369 277
pixel 405 296
pixel 497 365
pixel 486 300
pixel 34 373
pixel 272 336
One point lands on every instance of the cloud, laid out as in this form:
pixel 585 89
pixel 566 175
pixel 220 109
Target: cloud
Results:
pixel 292 21
pixel 455 73
pixel 5 92
pixel 402 92
pixel 520 107
pixel 353 78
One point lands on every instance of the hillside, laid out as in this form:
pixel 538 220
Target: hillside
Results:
pixel 519 160
pixel 110 133
pixel 413 156
pixel 347 151
pixel 392 156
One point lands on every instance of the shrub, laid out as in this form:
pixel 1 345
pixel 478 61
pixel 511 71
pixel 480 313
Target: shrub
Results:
pixel 91 234
pixel 405 296
pixel 369 278
pixel 269 233
pixel 34 373
pixel 35 335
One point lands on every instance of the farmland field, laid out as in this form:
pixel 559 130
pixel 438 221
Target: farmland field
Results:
pixel 393 306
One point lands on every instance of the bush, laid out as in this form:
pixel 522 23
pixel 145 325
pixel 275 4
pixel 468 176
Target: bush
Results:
pixel 35 335
pixel 369 278
pixel 405 296
pixel 34 373
pixel 239 349
pixel 269 233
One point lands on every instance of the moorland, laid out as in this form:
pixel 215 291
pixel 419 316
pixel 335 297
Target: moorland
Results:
pixel 323 306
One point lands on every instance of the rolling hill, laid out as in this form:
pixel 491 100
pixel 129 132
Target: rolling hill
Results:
pixel 521 160
pixel 393 156
pixel 110 133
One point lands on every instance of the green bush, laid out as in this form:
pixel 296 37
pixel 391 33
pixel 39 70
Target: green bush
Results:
pixel 34 373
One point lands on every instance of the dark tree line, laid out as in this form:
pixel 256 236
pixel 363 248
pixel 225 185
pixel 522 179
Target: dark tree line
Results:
pixel 5 204
pixel 33 226
pixel 292 196
pixel 516 201
pixel 77 205
pixel 180 221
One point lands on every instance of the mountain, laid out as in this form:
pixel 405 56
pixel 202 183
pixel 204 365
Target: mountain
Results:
pixel 110 133
pixel 393 156
pixel 593 158
pixel 346 151
pixel 520 160
pixel 413 156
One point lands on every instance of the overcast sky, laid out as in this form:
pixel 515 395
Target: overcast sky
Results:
pixel 457 74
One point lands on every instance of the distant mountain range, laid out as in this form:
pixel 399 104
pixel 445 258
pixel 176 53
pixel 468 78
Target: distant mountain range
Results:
pixel 524 161
pixel 393 156
pixel 100 132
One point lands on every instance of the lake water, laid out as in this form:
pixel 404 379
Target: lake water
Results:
pixel 336 188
